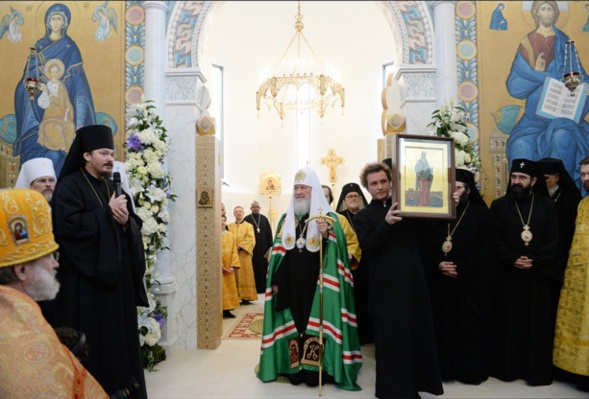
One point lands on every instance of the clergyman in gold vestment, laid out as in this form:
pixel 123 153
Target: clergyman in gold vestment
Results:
pixel 246 241
pixel 571 338
pixel 229 265
pixel 33 361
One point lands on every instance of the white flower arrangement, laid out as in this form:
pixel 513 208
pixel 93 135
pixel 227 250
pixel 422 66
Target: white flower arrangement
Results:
pixel 146 149
pixel 450 121
pixel 150 331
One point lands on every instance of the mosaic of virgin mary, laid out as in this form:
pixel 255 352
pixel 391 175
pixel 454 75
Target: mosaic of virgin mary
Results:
pixel 30 112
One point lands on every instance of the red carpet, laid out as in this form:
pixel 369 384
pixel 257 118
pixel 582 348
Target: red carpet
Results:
pixel 248 327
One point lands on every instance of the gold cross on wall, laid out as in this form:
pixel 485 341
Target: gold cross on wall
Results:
pixel 332 161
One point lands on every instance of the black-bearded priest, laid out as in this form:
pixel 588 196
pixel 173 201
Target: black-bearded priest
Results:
pixel 527 237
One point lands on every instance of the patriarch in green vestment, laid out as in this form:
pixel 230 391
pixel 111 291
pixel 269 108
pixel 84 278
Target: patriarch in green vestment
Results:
pixel 292 314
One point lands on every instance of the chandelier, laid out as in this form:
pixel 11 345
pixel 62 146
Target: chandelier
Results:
pixel 299 83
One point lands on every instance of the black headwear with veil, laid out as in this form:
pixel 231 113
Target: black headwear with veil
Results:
pixel 88 138
pixel 467 177
pixel 347 189
pixel 530 168
pixel 552 166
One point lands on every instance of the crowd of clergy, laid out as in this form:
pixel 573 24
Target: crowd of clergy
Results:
pixel 500 290
pixel 505 285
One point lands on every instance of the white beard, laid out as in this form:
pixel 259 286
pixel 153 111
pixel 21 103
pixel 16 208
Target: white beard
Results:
pixel 44 286
pixel 302 206
pixel 552 190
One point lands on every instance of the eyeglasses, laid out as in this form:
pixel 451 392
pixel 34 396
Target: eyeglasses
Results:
pixel 55 256
pixel 352 196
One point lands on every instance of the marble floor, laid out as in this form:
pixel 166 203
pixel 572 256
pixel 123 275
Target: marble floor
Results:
pixel 228 372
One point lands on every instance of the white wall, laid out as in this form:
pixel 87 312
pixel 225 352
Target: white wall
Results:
pixel 247 38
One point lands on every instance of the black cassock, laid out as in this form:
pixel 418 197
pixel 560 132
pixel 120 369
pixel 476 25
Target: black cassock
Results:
pixel 101 272
pixel 523 324
pixel 263 242
pixel 566 203
pixel 296 279
pixel 405 346
pixel 462 305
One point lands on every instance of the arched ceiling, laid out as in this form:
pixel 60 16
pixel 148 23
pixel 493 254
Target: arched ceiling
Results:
pixel 410 22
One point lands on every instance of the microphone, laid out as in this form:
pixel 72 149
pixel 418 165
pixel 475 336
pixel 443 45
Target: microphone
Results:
pixel 116 178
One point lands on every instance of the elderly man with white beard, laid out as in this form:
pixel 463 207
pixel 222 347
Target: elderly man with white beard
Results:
pixel 298 309
pixel 38 174
pixel 33 361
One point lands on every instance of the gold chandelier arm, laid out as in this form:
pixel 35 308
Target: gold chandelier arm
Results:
pixel 281 90
pixel 277 65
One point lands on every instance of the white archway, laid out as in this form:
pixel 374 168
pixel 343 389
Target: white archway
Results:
pixel 190 22
pixel 410 23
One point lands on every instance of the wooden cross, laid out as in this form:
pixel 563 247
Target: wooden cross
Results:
pixel 332 161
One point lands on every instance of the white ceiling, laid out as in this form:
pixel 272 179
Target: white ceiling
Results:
pixel 249 37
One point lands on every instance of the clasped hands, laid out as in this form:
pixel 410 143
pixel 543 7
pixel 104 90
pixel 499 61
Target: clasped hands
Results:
pixel 118 206
pixel 523 262
pixel 448 269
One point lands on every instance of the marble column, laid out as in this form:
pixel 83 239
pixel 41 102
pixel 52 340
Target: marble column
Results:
pixel 155 54
pixel 445 50
pixel 182 111
pixel 418 98
pixel 154 89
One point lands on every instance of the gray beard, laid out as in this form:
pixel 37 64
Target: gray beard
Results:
pixel 302 207
pixel 44 286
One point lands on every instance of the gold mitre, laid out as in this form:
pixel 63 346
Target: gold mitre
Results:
pixel 205 126
pixel 26 231
pixel 395 123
